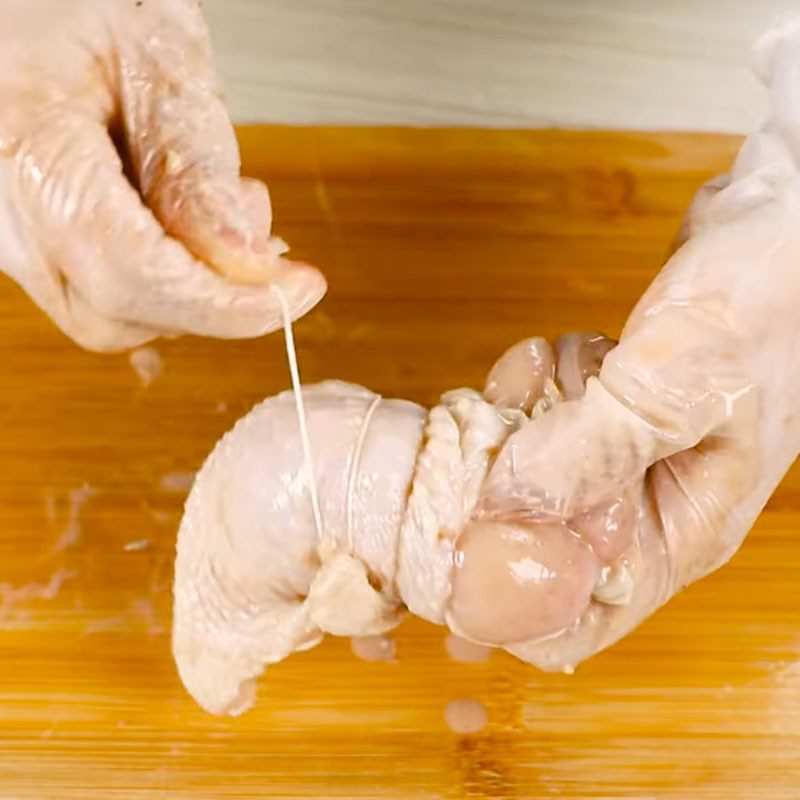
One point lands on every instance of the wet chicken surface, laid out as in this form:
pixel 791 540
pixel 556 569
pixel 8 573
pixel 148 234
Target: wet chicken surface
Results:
pixel 259 575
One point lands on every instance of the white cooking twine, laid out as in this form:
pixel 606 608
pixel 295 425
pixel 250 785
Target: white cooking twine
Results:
pixel 294 371
pixel 354 468
pixel 291 355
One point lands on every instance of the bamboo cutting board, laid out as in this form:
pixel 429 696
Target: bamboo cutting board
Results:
pixel 442 248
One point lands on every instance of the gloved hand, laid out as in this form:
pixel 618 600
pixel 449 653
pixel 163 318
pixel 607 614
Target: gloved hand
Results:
pixel 686 431
pixel 122 213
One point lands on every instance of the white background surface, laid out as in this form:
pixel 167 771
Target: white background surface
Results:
pixel 673 64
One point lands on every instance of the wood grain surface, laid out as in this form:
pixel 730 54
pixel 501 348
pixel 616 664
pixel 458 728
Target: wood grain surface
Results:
pixel 677 65
pixel 442 248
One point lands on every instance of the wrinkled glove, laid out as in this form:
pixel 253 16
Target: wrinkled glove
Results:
pixel 122 213
pixel 678 443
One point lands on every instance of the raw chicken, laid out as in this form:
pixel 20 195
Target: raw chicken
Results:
pixel 552 513
pixel 254 582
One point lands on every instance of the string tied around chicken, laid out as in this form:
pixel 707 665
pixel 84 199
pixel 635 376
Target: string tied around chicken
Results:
pixel 341 600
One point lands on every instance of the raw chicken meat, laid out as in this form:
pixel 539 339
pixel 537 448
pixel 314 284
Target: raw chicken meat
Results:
pixel 254 582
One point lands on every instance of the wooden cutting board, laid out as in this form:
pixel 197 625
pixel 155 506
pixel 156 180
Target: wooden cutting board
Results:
pixel 442 248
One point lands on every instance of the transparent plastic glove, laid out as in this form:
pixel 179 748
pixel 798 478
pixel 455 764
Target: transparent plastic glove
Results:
pixel 122 212
pixel 687 430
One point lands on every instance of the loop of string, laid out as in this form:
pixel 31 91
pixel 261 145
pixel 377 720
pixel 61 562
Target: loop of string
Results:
pixel 354 468
pixel 294 371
